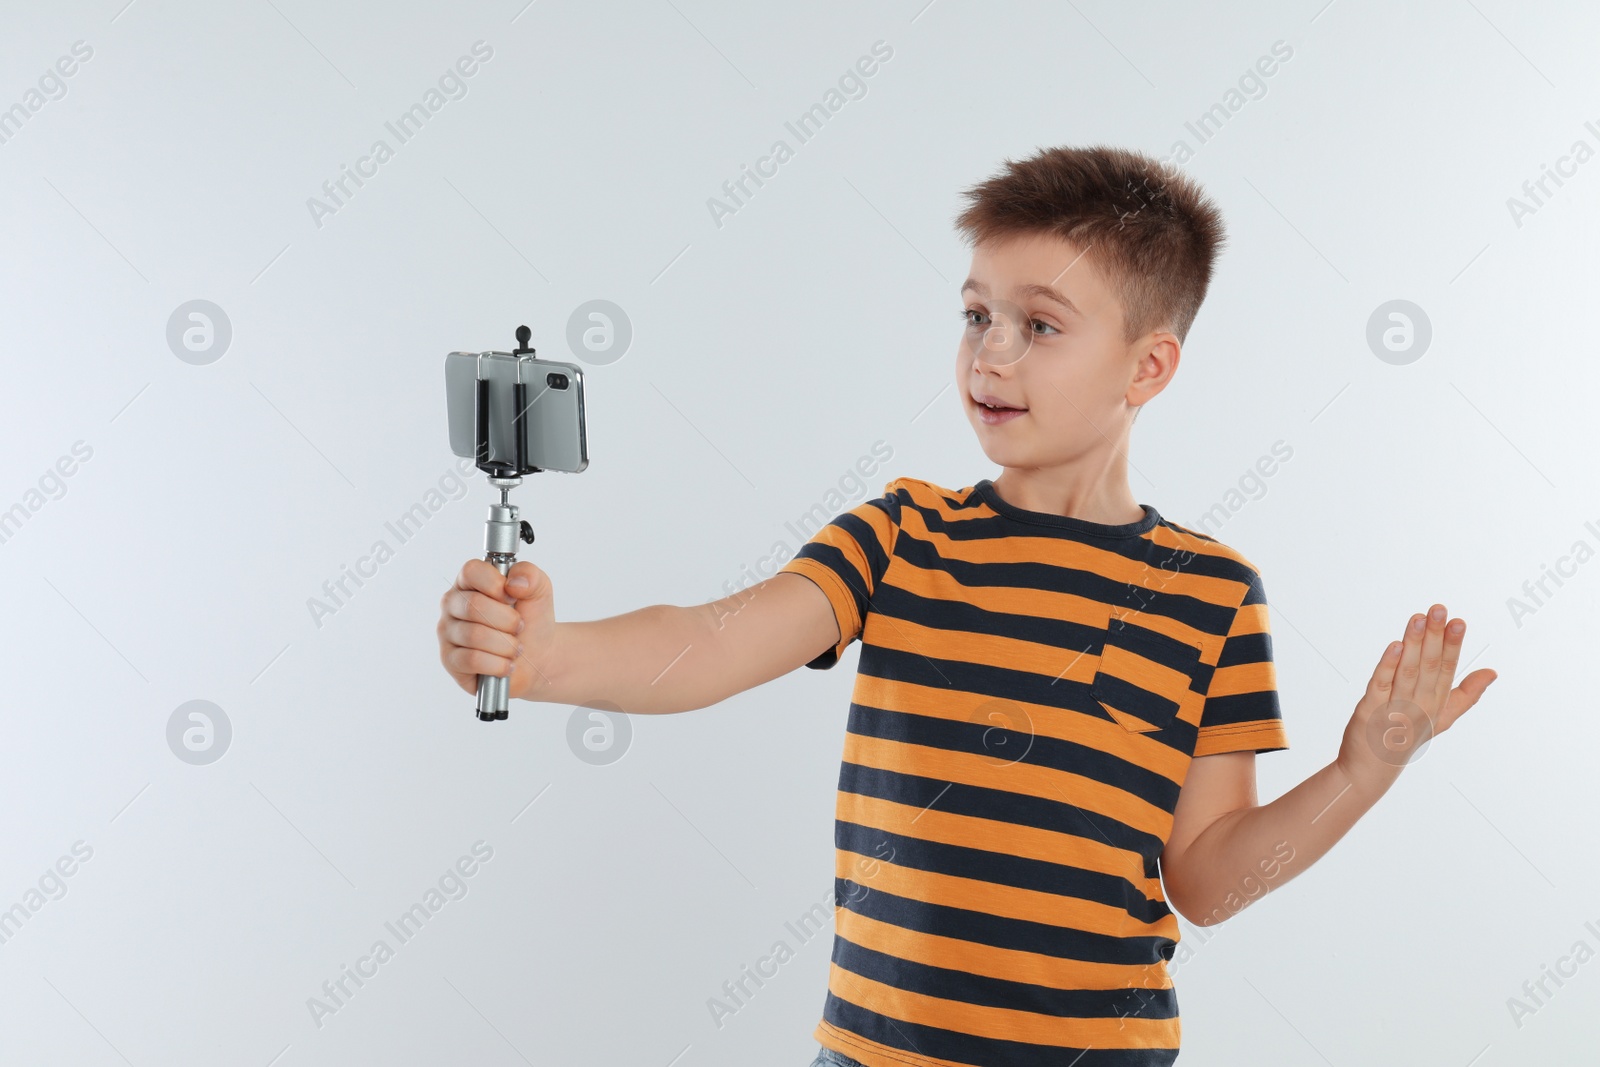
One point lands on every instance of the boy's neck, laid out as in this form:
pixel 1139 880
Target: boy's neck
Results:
pixel 1104 498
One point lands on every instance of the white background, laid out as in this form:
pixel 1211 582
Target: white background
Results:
pixel 769 354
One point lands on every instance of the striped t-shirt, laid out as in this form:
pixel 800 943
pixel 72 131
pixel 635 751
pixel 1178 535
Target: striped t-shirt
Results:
pixel 1031 690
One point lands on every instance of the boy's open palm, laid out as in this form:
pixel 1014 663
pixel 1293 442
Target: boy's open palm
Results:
pixel 1409 700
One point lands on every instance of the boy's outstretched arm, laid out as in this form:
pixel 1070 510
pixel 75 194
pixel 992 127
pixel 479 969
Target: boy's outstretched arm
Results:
pixel 1225 850
pixel 661 658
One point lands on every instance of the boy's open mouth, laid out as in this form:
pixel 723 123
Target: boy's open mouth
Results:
pixel 991 409
pixel 994 403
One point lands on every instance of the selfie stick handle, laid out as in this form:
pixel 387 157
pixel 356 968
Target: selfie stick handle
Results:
pixel 504 526
pixel 500 542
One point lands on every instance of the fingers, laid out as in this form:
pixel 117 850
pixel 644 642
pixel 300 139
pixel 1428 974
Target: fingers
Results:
pixel 468 649
pixel 465 662
pixel 480 622
pixel 471 662
pixel 484 638
pixel 1380 687
pixel 1425 669
pixel 480 575
pixel 471 605
pixel 1454 632
pixel 1405 675
pixel 1430 659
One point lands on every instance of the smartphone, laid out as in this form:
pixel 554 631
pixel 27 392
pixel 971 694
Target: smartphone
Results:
pixel 548 435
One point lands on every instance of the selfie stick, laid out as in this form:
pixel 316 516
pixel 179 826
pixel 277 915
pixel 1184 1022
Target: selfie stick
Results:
pixel 504 525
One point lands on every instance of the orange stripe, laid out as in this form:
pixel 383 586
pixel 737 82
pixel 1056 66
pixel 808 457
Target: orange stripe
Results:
pixel 1007 964
pixel 1244 678
pixel 1021 548
pixel 990 650
pixel 850 549
pixel 870 1053
pixel 1029 779
pixel 1252 619
pixel 1126 663
pixel 1181 539
pixel 1038 720
pixel 1181 578
pixel 1015 654
pixel 1002 1024
pixel 937 584
pixel 1009 839
pixel 1003 901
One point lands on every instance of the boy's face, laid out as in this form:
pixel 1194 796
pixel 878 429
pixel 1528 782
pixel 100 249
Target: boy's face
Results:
pixel 1068 367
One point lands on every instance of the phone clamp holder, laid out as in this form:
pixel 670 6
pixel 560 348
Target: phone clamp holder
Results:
pixel 505 526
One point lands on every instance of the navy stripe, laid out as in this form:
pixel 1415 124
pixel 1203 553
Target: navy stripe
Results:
pixel 865 535
pixel 941 1044
pixel 959 616
pixel 948 984
pixel 957 798
pixel 1155 598
pixel 1256 594
pixel 1243 707
pixel 973 527
pixel 963 924
pixel 894 665
pixel 1245 648
pixel 996 741
pixel 832 557
pixel 999 868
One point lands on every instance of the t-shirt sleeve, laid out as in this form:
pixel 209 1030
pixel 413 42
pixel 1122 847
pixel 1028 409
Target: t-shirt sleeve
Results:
pixel 1241 712
pixel 847 558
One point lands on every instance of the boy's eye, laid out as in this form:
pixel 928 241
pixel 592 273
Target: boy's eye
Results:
pixel 975 318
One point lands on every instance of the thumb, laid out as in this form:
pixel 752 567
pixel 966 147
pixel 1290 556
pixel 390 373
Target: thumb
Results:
pixel 525 580
pixel 1465 695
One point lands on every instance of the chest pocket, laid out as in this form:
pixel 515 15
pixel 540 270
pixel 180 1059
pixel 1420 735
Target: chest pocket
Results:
pixel 1144 680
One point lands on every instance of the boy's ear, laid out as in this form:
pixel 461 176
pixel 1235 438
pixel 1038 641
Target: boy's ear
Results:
pixel 1164 352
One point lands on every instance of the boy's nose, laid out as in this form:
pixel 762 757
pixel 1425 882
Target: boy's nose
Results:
pixel 1006 339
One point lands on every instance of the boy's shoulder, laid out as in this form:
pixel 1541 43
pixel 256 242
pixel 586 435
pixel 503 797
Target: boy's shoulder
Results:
pixel 1204 542
pixel 935 501
pixel 1223 560
pixel 1227 561
pixel 924 491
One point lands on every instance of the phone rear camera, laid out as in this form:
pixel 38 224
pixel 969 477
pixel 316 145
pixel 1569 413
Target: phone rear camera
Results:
pixel 556 380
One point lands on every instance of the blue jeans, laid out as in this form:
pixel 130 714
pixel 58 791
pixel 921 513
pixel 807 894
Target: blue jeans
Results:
pixel 826 1057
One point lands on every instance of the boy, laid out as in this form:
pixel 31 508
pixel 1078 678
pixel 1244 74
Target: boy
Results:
pixel 1060 693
